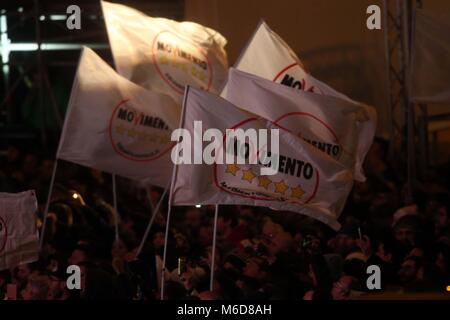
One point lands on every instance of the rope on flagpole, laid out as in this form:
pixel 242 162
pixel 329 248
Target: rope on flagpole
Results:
pixel 47 204
pixel 116 212
pixel 150 223
pixel 213 254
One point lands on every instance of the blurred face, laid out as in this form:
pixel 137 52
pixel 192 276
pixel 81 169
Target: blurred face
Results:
pixel 440 262
pixel 52 265
pixel 308 295
pixel 206 235
pixel 270 229
pixel 192 218
pixel 30 164
pixel 341 288
pixel 252 269
pixel 23 272
pixel 47 169
pixel 279 243
pixel 405 235
pixel 344 243
pixel 247 212
pixel 186 278
pixel 27 293
pixel 381 253
pixel 155 196
pixel 408 271
pixel 222 225
pixel 158 240
pixel 77 257
pixel 55 288
pixel 13 154
pixel 440 218
pixel 119 249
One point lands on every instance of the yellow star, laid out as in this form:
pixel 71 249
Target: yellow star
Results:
pixel 280 187
pixel 232 168
pixel 248 175
pixel 120 130
pixel 297 192
pixel 263 181
pixel 132 133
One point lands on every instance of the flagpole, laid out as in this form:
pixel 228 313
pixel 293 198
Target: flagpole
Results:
pixel 47 204
pixel 213 254
pixel 150 223
pixel 52 180
pixel 116 212
pixel 172 182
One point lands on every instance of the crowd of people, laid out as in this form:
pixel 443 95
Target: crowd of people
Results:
pixel 260 253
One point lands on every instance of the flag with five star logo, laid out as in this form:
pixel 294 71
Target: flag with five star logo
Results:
pixel 116 126
pixel 268 56
pixel 163 54
pixel 339 127
pixel 18 233
pixel 307 181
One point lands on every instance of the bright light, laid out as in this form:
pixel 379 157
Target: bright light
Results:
pixel 198 205
pixel 6 46
pixel 58 17
pixel 75 196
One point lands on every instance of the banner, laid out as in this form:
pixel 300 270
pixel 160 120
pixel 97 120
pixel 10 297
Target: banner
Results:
pixel 431 57
pixel 19 243
pixel 116 126
pixel 342 129
pixel 307 181
pixel 268 56
pixel 162 54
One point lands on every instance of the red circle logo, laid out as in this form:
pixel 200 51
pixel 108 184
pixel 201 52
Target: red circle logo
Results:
pixel 294 76
pixel 180 62
pixel 328 141
pixel 297 181
pixel 138 136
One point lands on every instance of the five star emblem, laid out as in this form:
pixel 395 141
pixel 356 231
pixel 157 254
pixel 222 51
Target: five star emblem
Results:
pixel 248 175
pixel 297 192
pixel 232 168
pixel 280 187
pixel 264 182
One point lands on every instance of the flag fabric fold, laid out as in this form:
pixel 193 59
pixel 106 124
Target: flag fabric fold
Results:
pixel 163 54
pixel 268 56
pixel 339 127
pixel 116 126
pixel 430 76
pixel 308 181
pixel 19 243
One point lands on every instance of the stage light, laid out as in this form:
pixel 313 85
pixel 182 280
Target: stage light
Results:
pixel 75 196
pixel 198 205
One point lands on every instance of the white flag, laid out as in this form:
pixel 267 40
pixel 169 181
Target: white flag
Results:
pixel 342 129
pixel 268 56
pixel 430 63
pixel 307 181
pixel 116 126
pixel 163 54
pixel 19 241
